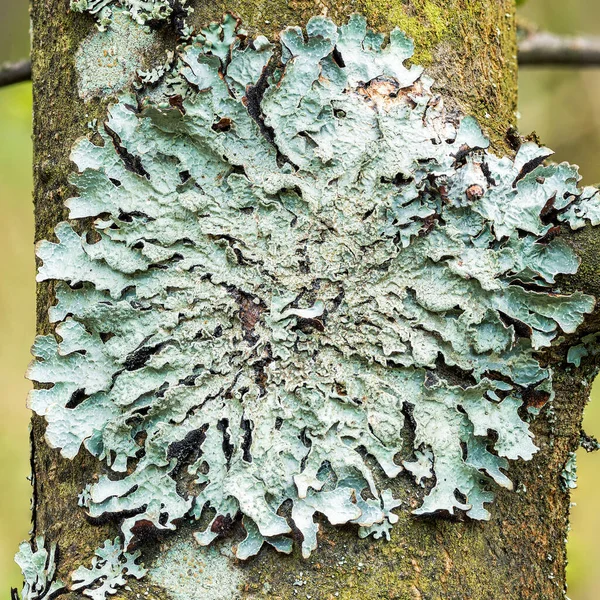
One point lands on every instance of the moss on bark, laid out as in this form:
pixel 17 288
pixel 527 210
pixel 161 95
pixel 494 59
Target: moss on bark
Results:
pixel 469 48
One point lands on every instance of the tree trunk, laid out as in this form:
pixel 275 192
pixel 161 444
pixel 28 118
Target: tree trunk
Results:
pixel 469 48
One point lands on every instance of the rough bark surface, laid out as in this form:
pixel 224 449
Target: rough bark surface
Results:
pixel 469 47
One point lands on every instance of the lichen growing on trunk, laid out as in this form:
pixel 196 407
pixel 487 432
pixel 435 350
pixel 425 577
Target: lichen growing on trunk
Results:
pixel 39 570
pixel 303 276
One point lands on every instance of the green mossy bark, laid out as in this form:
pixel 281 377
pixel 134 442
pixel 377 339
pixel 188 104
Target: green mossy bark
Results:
pixel 469 48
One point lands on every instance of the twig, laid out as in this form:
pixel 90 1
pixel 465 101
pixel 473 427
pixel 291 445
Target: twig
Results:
pixel 15 72
pixel 548 49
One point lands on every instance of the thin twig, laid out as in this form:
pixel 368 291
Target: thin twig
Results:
pixel 548 49
pixel 15 72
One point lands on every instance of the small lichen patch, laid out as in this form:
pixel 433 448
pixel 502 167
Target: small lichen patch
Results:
pixel 568 476
pixel 588 347
pixel 39 571
pixel 299 265
pixel 109 571
pixel 141 11
pixel 108 61
pixel 187 571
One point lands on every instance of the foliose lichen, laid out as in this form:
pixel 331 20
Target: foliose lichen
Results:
pixel 588 347
pixel 141 11
pixel 568 476
pixel 303 278
pixel 108 572
pixel 39 570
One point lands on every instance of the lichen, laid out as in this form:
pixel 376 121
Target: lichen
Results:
pixel 568 476
pixel 188 571
pixel 588 347
pixel 303 277
pixel 108 61
pixel 142 11
pixel 109 571
pixel 39 571
pixel 426 21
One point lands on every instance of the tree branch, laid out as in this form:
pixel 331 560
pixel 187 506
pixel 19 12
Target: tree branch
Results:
pixel 548 49
pixel 15 72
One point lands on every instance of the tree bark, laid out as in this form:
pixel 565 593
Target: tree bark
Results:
pixel 469 48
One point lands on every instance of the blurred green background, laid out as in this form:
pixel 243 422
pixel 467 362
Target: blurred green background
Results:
pixel 562 105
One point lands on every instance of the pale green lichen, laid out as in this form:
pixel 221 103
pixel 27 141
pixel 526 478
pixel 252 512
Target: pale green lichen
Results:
pixel 296 270
pixel 568 476
pixel 186 571
pixel 142 11
pixel 107 62
pixel 588 347
pixel 39 571
pixel 110 568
